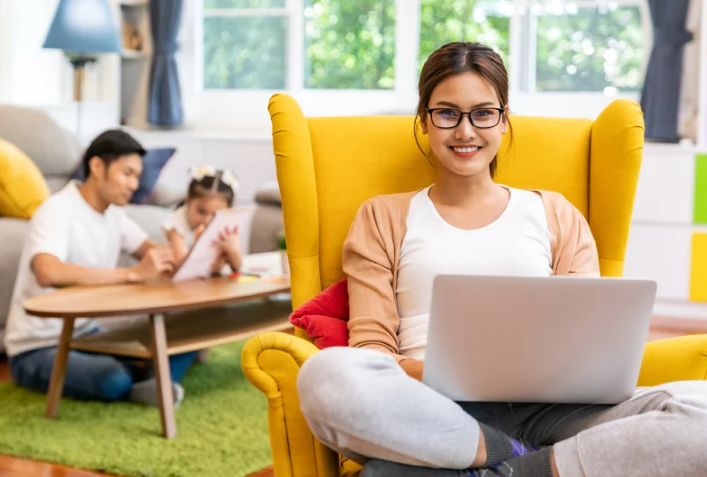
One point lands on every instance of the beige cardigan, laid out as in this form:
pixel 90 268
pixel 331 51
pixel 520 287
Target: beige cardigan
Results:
pixel 372 250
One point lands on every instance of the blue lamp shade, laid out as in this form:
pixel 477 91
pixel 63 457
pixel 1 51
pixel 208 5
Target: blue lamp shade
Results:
pixel 83 27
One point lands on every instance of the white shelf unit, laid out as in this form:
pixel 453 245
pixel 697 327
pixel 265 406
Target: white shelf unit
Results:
pixel 135 62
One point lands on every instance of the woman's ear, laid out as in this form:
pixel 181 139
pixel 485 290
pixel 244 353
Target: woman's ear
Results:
pixel 423 126
pixel 505 119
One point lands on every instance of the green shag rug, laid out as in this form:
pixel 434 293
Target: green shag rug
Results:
pixel 222 428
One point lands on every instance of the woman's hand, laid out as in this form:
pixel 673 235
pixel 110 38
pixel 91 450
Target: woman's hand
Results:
pixel 413 368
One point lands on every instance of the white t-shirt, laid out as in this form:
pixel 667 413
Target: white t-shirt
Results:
pixel 518 243
pixel 178 221
pixel 65 226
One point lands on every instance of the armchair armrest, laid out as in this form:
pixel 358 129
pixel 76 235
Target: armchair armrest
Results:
pixel 674 359
pixel 271 361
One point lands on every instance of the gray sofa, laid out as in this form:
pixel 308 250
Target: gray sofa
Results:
pixel 56 152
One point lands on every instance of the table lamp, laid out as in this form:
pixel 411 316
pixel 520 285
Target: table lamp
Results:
pixel 83 29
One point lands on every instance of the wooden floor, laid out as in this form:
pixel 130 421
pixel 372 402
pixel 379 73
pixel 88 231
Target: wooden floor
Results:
pixel 15 467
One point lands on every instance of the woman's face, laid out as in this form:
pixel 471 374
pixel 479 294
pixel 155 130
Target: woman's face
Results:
pixel 465 150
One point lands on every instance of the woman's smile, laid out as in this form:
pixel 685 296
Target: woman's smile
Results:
pixel 465 152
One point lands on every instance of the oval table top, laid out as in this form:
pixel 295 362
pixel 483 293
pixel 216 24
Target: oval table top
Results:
pixel 150 298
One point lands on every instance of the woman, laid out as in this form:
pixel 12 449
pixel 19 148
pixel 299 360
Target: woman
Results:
pixel 361 400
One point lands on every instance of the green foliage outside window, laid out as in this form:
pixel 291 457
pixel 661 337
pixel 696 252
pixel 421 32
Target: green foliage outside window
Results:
pixel 244 52
pixel 349 44
pixel 590 50
pixel 445 21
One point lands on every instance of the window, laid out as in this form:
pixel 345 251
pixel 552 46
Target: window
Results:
pixel 589 49
pixel 365 56
pixel 349 45
pixel 244 44
pixel 444 21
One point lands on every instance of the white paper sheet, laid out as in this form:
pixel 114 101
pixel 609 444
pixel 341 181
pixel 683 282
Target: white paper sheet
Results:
pixel 203 253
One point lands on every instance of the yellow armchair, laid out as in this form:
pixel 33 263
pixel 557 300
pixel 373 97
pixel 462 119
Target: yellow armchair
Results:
pixel 327 167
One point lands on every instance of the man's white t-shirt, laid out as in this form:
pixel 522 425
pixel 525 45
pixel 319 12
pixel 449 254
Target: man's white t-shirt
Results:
pixel 65 226
pixel 518 243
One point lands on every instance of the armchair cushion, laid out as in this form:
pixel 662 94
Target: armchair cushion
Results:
pixel 324 318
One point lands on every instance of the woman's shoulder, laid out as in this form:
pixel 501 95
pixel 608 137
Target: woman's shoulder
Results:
pixel 388 204
pixel 560 212
pixel 554 201
pixel 383 215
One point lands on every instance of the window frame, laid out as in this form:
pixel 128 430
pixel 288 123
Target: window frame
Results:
pixel 214 108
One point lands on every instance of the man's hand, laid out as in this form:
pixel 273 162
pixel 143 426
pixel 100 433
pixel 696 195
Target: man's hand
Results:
pixel 156 261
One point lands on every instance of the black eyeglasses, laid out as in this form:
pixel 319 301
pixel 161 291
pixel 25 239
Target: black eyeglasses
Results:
pixel 482 118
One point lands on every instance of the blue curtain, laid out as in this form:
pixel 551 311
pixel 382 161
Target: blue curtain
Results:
pixel 661 90
pixel 165 106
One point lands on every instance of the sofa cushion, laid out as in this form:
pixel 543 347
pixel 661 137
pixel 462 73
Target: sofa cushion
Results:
pixel 22 186
pixel 168 194
pixel 53 149
pixel 14 233
pixel 269 193
pixel 56 182
pixel 266 228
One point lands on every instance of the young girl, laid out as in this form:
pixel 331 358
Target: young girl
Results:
pixel 210 190
pixel 367 402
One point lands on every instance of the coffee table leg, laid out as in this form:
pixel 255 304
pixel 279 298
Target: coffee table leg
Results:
pixel 163 376
pixel 56 385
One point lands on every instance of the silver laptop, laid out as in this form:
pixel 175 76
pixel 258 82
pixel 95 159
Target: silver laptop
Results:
pixel 549 339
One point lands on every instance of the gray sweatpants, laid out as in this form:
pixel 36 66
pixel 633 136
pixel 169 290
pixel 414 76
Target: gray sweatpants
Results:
pixel 362 404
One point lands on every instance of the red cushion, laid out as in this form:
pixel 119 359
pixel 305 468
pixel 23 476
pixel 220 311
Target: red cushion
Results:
pixel 324 317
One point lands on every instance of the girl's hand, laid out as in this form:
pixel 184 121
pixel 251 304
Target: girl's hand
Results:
pixel 229 243
pixel 198 232
pixel 218 264
pixel 178 245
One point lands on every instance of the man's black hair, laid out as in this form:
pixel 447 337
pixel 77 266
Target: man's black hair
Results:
pixel 110 146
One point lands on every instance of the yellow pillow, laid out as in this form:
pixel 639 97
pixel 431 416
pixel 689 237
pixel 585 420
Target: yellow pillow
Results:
pixel 22 185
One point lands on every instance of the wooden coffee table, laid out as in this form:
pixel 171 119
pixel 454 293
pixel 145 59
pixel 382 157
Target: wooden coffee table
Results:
pixel 192 329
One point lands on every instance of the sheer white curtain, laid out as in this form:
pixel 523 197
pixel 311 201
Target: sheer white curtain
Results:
pixel 689 89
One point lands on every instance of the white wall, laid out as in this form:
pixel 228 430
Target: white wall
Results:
pixel 33 76
pixel 5 84
pixel 659 246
